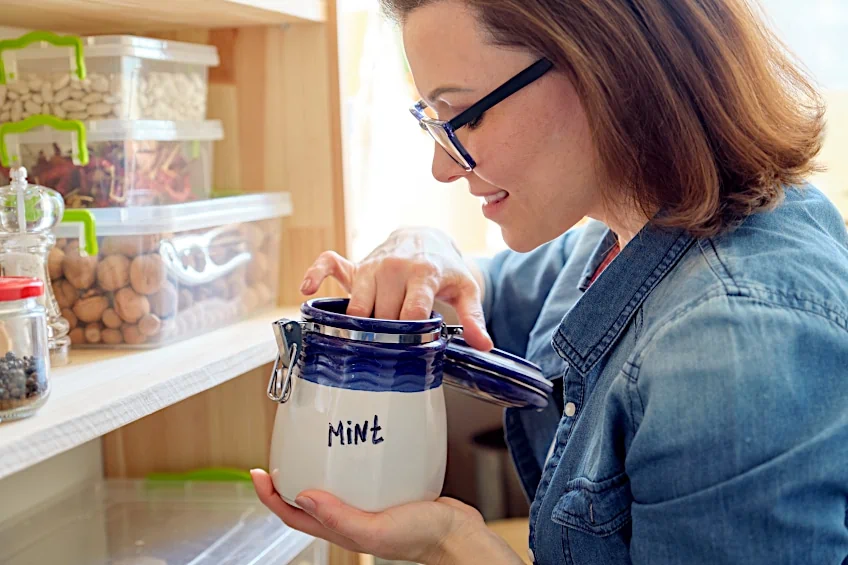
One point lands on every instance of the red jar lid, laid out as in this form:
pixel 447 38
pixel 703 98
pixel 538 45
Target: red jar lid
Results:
pixel 18 288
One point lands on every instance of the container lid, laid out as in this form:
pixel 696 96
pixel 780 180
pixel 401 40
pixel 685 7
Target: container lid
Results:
pixel 130 46
pixel 136 130
pixel 495 376
pixel 19 288
pixel 198 215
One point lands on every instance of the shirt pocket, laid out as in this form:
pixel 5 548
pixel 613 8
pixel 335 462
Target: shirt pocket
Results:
pixel 596 508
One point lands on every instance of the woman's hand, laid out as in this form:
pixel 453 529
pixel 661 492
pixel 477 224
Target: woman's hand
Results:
pixel 402 278
pixel 443 532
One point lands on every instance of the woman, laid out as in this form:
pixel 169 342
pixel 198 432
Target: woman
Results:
pixel 696 328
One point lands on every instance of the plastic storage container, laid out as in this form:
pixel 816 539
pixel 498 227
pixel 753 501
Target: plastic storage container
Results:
pixel 148 523
pixel 24 358
pixel 166 273
pixel 103 77
pixel 130 163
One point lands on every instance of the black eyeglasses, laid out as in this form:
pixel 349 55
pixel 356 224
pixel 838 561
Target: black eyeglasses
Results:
pixel 444 132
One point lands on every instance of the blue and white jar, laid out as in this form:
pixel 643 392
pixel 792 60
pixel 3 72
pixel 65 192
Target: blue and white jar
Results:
pixel 361 406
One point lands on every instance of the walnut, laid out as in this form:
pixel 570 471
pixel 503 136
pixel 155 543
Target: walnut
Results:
pixel 113 272
pixel 54 263
pixel 130 245
pixel 257 269
pixel 69 315
pixel 111 319
pixel 77 336
pixel 131 306
pixel 186 299
pixel 164 302
pixel 132 335
pixel 150 325
pixel 147 273
pixel 79 271
pixel 111 336
pixel 91 309
pixel 263 293
pixel 250 299
pixel 92 332
pixel 66 293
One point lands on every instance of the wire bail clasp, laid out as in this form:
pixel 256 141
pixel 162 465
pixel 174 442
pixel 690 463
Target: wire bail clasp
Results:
pixel 289 334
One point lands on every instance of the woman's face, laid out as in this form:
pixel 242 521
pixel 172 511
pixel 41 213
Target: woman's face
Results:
pixel 533 150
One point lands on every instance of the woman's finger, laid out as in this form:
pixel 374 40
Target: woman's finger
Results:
pixel 345 520
pixel 391 289
pixel 328 264
pixel 294 517
pixel 470 313
pixel 362 295
pixel 419 300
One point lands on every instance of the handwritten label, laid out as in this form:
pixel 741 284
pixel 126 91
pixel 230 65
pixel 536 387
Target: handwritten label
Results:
pixel 355 433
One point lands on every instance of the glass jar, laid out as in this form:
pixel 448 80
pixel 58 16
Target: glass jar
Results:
pixel 24 356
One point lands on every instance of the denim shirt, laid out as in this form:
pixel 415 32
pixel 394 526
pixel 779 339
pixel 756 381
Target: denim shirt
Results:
pixel 700 408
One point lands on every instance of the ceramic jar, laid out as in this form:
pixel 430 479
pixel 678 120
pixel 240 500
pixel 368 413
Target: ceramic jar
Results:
pixel 362 409
pixel 361 406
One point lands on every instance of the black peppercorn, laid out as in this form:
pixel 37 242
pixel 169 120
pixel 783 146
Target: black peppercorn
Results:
pixel 22 380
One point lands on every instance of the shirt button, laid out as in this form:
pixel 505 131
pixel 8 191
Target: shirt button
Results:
pixel 531 556
pixel 570 409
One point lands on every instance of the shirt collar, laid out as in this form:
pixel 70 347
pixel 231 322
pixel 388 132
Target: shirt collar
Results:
pixel 593 325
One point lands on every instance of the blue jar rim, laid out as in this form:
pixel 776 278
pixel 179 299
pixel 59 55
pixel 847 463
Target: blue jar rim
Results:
pixel 331 312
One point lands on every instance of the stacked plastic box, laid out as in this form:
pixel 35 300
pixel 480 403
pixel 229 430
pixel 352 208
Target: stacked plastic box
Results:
pixel 173 261
pixel 116 522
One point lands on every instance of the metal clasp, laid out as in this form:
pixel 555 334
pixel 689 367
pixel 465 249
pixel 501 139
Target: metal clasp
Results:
pixel 289 334
pixel 449 331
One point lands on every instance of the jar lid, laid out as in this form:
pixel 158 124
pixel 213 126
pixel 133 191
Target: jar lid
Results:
pixel 495 376
pixel 19 288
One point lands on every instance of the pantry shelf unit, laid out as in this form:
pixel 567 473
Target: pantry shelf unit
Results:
pixel 118 16
pixel 100 391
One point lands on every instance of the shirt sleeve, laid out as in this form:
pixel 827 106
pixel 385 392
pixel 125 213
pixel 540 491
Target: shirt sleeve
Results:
pixel 516 286
pixel 740 449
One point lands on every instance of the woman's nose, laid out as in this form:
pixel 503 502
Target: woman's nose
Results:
pixel 445 169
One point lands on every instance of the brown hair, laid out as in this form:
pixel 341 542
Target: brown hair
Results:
pixel 695 105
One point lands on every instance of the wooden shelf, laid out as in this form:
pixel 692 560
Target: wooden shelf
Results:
pixel 100 390
pixel 120 16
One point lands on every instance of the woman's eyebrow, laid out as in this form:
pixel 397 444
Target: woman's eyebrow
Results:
pixel 437 92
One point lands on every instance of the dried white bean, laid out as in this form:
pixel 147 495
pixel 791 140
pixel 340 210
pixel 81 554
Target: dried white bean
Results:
pixel 7 106
pixel 37 99
pixel 32 107
pixel 47 92
pixel 17 114
pixel 110 99
pixel 77 94
pixel 99 83
pixel 5 116
pixel 99 109
pixel 2 94
pixel 86 84
pixel 59 112
pixel 12 95
pixel 61 82
pixel 25 97
pixel 92 98
pixel 75 84
pixel 62 95
pixel 77 115
pixel 73 106
pixel 19 87
pixel 35 84
pixel 45 108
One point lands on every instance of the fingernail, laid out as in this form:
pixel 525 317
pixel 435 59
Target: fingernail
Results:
pixel 306 504
pixel 304 286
